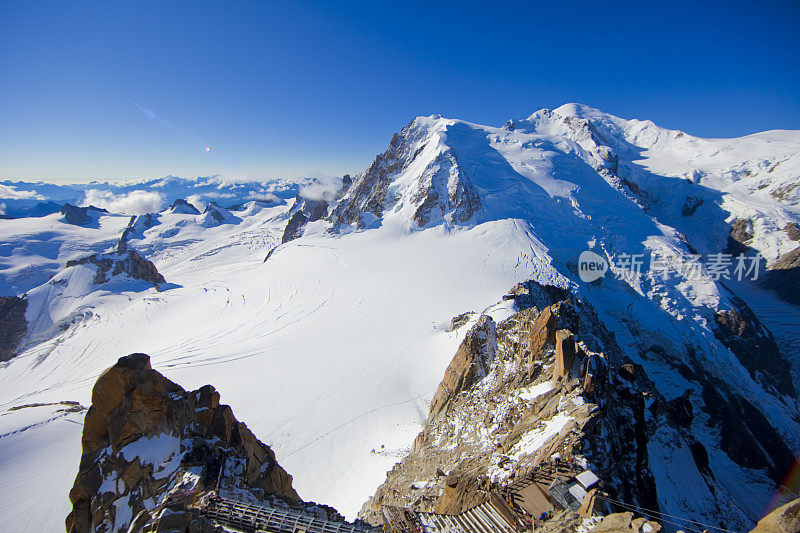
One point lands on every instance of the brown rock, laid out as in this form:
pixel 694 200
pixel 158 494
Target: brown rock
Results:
pixel 130 401
pixel 784 519
pixel 565 354
pixel 468 365
pixel 542 331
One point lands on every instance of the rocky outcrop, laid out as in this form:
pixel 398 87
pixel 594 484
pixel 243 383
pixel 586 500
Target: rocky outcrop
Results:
pixel 12 324
pixel 565 354
pixel 214 215
pixel 367 193
pixel 137 225
pixel 183 207
pixel 469 364
pixel 743 334
pixel 784 519
pixel 79 216
pixel 145 437
pixel 442 191
pixel 792 231
pixel 783 276
pixel 506 406
pixel 690 205
pixel 123 262
pixel 303 211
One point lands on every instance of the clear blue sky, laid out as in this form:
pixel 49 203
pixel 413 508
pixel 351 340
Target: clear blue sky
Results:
pixel 135 89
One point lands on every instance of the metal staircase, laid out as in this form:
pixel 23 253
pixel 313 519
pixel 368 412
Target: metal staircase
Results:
pixel 485 518
pixel 252 518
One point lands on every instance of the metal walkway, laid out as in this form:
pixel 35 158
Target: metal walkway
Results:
pixel 486 518
pixel 252 518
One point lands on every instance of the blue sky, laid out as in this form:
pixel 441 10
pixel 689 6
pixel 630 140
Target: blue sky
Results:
pixel 109 90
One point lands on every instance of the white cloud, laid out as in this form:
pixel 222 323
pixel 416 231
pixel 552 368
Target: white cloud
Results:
pixel 10 193
pixel 197 201
pixel 263 196
pixel 132 203
pixel 321 189
pixel 2 209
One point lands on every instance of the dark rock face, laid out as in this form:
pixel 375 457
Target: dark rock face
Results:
pixel 79 216
pixel 294 228
pixel 303 211
pixel 136 225
pixel 346 182
pixel 126 261
pixel 740 236
pixel 746 433
pixel 442 197
pixel 368 191
pixel 691 205
pixel 134 406
pixel 792 231
pixel 215 212
pixel 182 206
pixel 754 346
pixel 12 324
pixel 783 277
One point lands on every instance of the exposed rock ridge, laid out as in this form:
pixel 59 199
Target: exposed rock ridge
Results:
pixel 524 380
pixel 79 216
pixel 183 207
pixel 442 191
pixel 144 436
pixel 126 261
pixel 303 211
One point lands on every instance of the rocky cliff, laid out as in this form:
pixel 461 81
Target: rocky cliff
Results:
pixel 80 216
pixel 441 189
pixel 519 392
pixel 124 261
pixel 12 324
pixel 146 438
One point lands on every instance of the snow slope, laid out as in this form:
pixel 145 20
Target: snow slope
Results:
pixel 331 349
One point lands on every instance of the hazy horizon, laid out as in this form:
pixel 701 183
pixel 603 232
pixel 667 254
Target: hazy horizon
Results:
pixel 113 92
